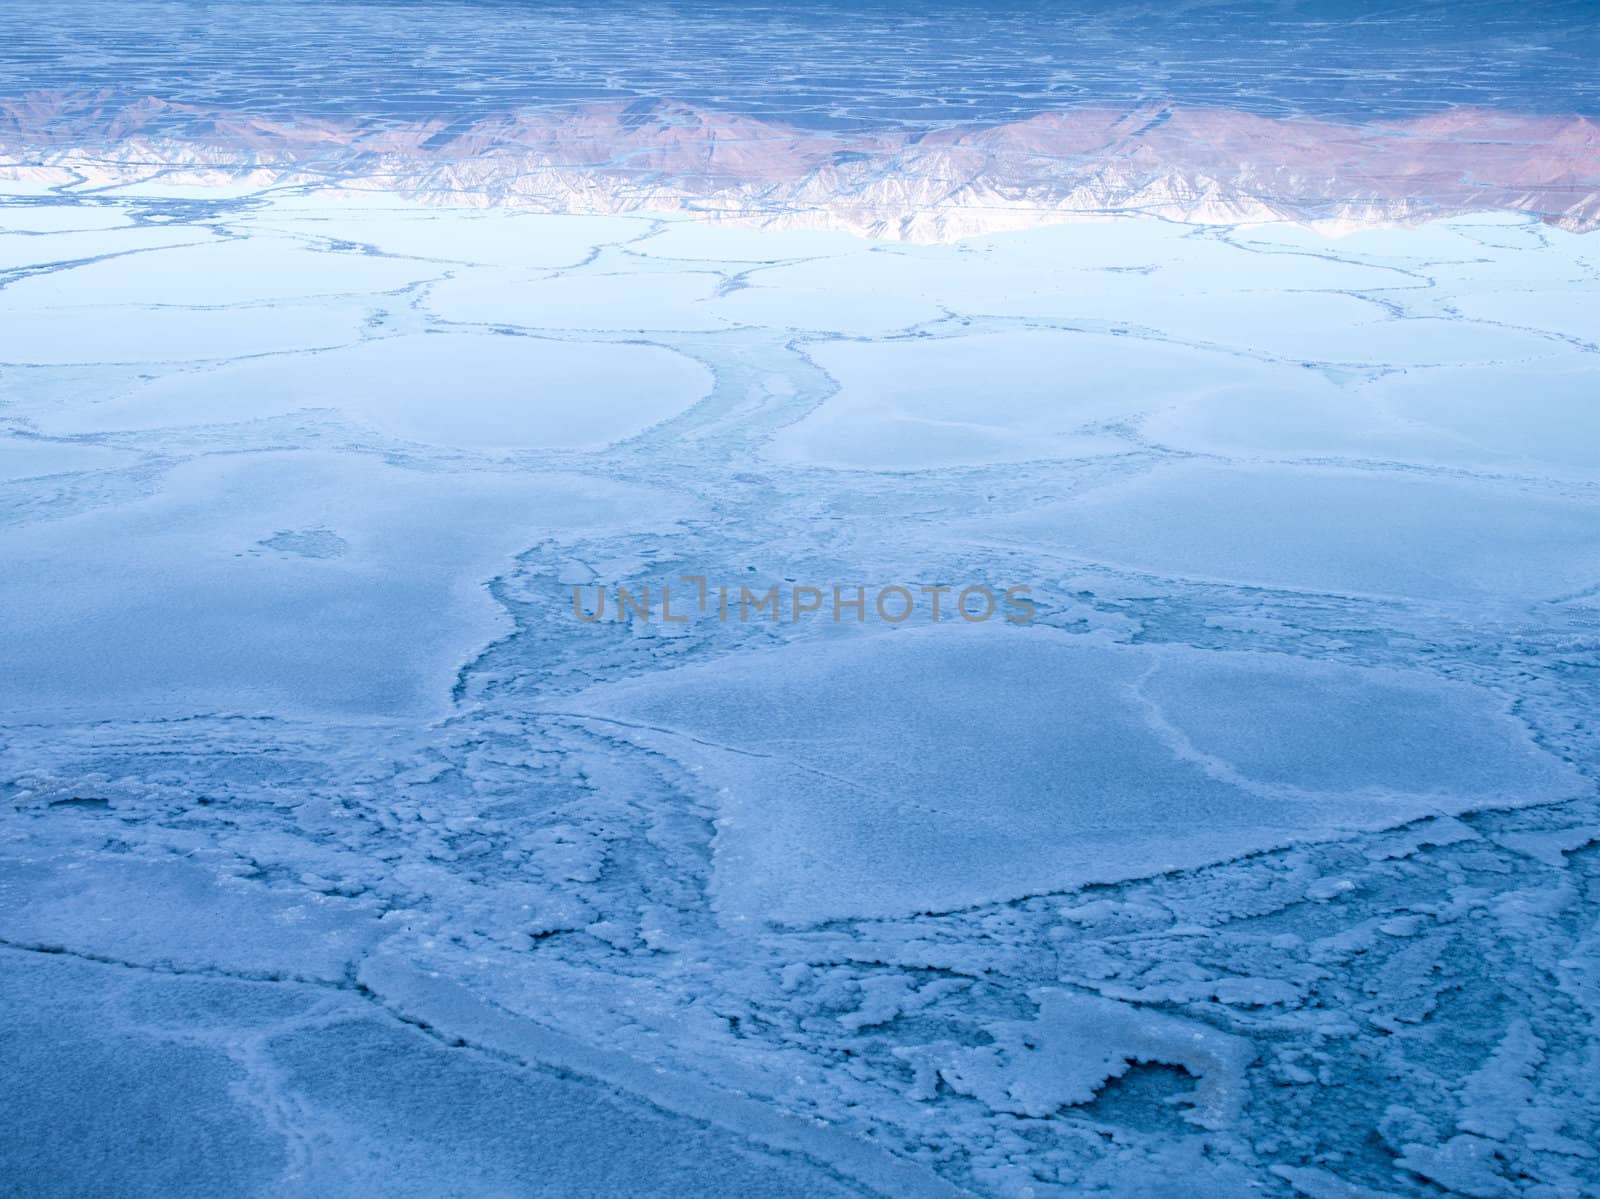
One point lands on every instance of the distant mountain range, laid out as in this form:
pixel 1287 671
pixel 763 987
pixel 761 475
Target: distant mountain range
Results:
pixel 1207 165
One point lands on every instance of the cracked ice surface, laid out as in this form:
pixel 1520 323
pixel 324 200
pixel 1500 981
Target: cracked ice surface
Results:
pixel 340 858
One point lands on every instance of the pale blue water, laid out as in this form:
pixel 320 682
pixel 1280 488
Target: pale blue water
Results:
pixel 836 65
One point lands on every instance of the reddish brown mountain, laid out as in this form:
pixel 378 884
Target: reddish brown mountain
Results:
pixel 1204 164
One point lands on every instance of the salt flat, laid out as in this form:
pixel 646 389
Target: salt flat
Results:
pixel 275 582
pixel 1324 529
pixel 1531 419
pixel 469 390
pixel 862 778
pixel 311 778
pixel 1011 395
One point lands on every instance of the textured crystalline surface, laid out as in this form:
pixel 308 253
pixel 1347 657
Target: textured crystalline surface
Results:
pixel 341 343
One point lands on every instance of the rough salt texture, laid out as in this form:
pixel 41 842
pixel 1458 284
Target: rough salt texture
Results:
pixel 340 858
